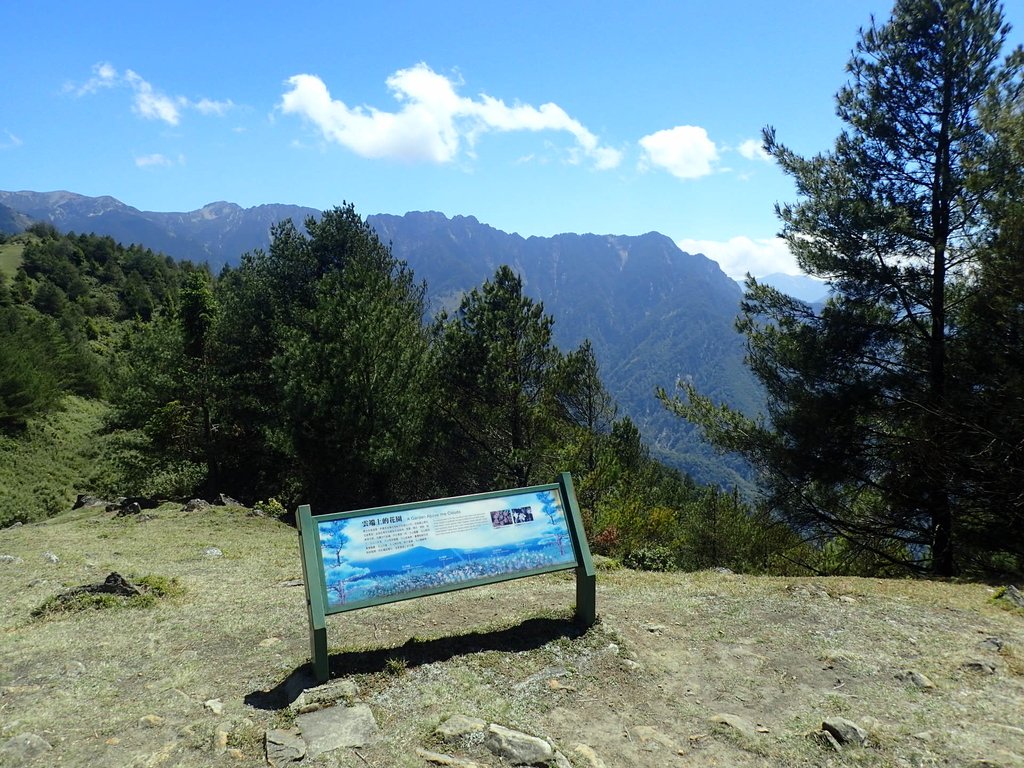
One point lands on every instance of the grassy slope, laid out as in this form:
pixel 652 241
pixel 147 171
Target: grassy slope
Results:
pixel 57 457
pixel 705 643
pixel 10 257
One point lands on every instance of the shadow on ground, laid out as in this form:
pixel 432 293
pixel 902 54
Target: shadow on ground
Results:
pixel 525 636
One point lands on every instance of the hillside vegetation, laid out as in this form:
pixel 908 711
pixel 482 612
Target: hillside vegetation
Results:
pixel 673 660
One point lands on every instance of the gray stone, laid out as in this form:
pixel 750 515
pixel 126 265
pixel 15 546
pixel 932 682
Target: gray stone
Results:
pixel 196 505
pixel 10 560
pixel 23 748
pixel 51 558
pixel 16 524
pixel 517 747
pixel 979 666
pixel 214 705
pixel 559 761
pixel 226 501
pixel 655 629
pixel 326 695
pixel 735 722
pixel 284 748
pixel 918 679
pixel 457 726
pixel 1013 596
pixel 213 552
pixel 438 758
pixel 335 727
pixel 845 731
pixel 992 644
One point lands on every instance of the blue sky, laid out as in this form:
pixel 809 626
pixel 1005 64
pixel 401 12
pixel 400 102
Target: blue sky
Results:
pixel 535 117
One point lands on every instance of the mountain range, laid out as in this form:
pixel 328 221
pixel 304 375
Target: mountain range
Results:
pixel 654 313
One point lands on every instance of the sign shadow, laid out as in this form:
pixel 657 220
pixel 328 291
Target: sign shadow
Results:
pixel 528 635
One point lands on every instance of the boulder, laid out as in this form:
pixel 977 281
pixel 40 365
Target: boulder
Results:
pixel 516 747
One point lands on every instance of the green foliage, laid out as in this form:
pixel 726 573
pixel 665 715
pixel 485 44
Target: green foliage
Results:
pixel 56 457
pixel 499 374
pixel 864 439
pixel 152 587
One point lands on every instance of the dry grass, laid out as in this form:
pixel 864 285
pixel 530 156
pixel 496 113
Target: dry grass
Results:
pixel 762 648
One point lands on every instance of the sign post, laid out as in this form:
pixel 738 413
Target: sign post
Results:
pixel 369 557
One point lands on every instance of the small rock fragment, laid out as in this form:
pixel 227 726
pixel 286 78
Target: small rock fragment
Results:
pixel 438 758
pixel 979 667
pixel 284 748
pixel 51 558
pixel 334 727
pixel 517 747
pixel 22 748
pixel 992 644
pixel 845 731
pixel 736 722
pixel 457 726
pixel 150 721
pixel 220 741
pixel 1013 596
pixel 918 679
pixel 10 560
pixel 213 552
pixel 214 705
pixel 655 629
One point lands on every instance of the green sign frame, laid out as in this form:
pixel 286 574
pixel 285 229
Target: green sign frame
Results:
pixel 346 565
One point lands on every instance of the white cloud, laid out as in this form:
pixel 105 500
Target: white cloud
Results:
pixel 434 123
pixel 149 102
pixel 11 142
pixel 156 160
pixel 211 107
pixel 753 150
pixel 684 151
pixel 740 255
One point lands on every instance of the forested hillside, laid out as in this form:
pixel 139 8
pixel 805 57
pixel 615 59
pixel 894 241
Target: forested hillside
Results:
pixel 312 373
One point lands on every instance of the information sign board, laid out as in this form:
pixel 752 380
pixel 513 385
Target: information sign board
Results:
pixel 368 557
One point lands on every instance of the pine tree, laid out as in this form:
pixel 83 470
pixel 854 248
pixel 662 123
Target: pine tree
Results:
pixel 861 436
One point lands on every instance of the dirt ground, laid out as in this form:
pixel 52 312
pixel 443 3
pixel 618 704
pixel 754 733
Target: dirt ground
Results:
pixel 670 653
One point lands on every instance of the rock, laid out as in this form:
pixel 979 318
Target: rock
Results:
pixel 655 629
pixel 74 669
pixel 290 583
pixel 328 729
pixel 220 741
pixel 10 560
pixel 735 722
pixel 129 508
pixel 440 759
pixel 517 747
pixel 284 748
pixel 269 641
pixel 457 726
pixel 631 666
pixel 213 552
pixel 16 524
pixel 978 666
pixel 84 500
pixel 720 569
pixel 196 505
pixel 226 501
pixel 150 721
pixel 588 754
pixel 827 739
pixel 1013 596
pixel 559 761
pixel 51 558
pixel 918 679
pixel 845 731
pixel 847 599
pixel 214 705
pixel 992 644
pixel 23 748
pixel 326 695
pixel 803 589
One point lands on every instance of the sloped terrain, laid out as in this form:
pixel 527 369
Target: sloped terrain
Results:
pixel 671 653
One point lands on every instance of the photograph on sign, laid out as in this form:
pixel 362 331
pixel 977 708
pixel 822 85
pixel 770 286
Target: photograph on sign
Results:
pixel 386 555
